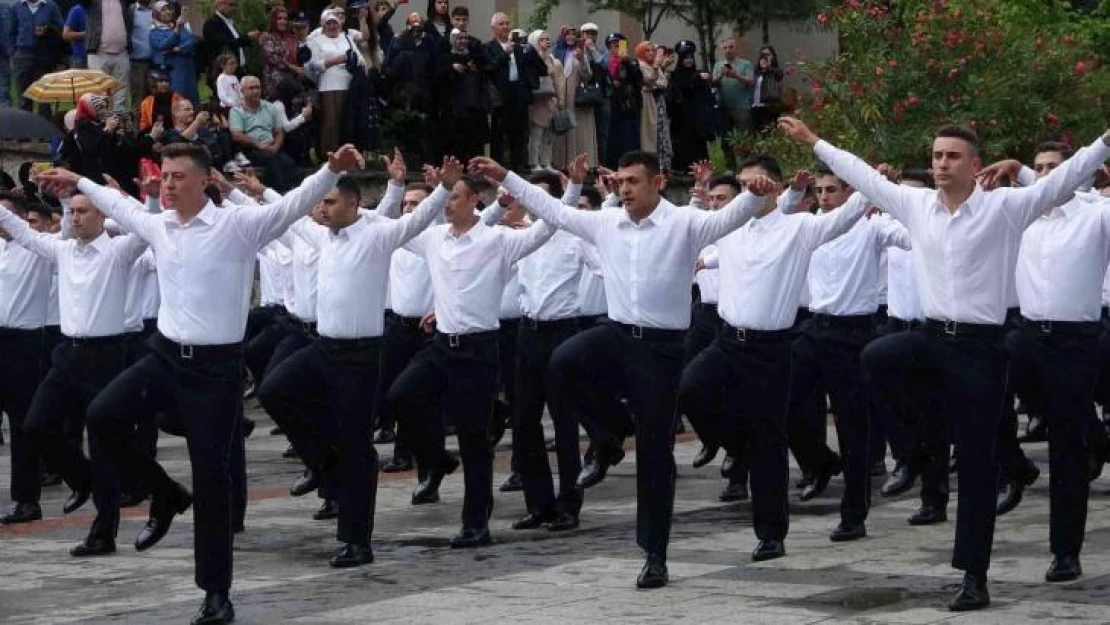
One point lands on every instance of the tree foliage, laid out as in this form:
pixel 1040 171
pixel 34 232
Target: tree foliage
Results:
pixel 1016 71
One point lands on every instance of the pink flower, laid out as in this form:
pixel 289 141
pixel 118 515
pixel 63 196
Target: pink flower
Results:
pixel 892 63
pixel 878 70
pixel 1081 68
pixel 1052 119
pixel 952 73
pixel 952 40
pixel 913 100
pixel 822 18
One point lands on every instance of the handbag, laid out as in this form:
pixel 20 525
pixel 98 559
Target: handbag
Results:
pixel 545 88
pixel 562 122
pixel 588 94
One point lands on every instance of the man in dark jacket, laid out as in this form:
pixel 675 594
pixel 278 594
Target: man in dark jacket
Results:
pixel 514 72
pixel 221 35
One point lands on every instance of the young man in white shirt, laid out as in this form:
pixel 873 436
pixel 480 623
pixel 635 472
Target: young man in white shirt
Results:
pixel 24 292
pixel 962 240
pixel 648 252
pixel 321 394
pixel 94 270
pixel 205 258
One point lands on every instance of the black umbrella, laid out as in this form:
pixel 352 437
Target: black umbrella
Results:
pixel 19 125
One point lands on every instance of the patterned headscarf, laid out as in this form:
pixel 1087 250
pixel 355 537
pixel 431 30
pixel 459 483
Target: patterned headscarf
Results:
pixel 91 107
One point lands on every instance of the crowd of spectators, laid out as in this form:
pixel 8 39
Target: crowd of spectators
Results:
pixel 318 77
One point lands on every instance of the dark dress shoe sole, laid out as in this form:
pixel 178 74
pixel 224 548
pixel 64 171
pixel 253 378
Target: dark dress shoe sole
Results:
pixel 968 606
pixel 399 467
pixel 651 583
pixel 847 536
pixel 471 543
pixel 349 563
pixel 23 518
pixel 1070 576
pixel 223 616
pixel 931 520
pixel 763 556
pixel 82 551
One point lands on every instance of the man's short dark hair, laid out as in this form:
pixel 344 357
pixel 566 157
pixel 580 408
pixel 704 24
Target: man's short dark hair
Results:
pixel 19 207
pixel 460 11
pixel 593 196
pixel 920 175
pixel 551 179
pixel 824 170
pixel 42 210
pixel 199 154
pixel 727 180
pixel 472 184
pixel 420 186
pixel 1059 147
pixel 765 162
pixel 347 186
pixel 639 157
pixel 960 132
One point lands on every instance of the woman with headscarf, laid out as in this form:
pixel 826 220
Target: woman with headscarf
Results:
pixel 767 92
pixel 582 138
pixel 334 57
pixel 470 103
pixel 654 78
pixel 173 45
pixel 88 147
pixel 279 53
pixel 545 100
pixel 690 105
pixel 626 101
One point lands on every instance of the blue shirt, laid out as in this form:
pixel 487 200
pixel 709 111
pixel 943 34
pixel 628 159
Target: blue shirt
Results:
pixel 5 26
pixel 140 33
pixel 21 30
pixel 76 22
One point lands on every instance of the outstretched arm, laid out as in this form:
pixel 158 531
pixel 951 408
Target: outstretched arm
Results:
pixel 45 245
pixel 709 226
pixel 1059 185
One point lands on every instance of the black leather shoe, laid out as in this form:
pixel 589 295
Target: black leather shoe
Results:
pixel 705 455
pixel 972 594
pixel 22 513
pixel 398 465
pixel 512 484
pixel 469 538
pixel 594 473
pixel 289 453
pixel 564 521
pixel 1063 569
pixel 132 499
pixel 384 436
pixel 351 555
pixel 768 550
pixel 248 427
pixel 49 478
pixel 1035 431
pixel 428 490
pixel 821 479
pixel 305 483
pixel 76 499
pixel 216 610
pixel 163 508
pixel 734 491
pixel 533 520
pixel 654 573
pixel 900 480
pixel 329 510
pixel 276 431
pixel 848 531
pixel 1010 492
pixel 93 546
pixel 928 515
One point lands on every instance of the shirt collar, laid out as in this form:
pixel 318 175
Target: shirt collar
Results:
pixel 470 234
pixel 657 217
pixel 206 216
pixel 969 205
pixel 770 220
pixel 100 243
pixel 350 231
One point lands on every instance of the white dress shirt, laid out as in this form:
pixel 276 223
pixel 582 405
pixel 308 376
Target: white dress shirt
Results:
pixel 24 287
pixel 306 260
pixel 469 272
pixel 843 276
pixel 354 267
pixel 275 274
pixel 53 303
pixel 709 280
pixel 549 278
pixel 764 264
pixel 510 307
pixel 206 266
pixel 1062 262
pixel 142 292
pixel 410 284
pixel 92 277
pixel 964 258
pixel 591 283
pixel 648 266
pixel 902 301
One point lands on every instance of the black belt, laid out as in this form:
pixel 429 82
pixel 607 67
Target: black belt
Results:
pixel 959 328
pixel 844 321
pixel 366 342
pixel 1060 328
pixel 19 332
pixel 198 352
pixel 94 341
pixel 650 334
pixel 549 325
pixel 408 322
pixel 745 335
pixel 904 324
pixel 457 341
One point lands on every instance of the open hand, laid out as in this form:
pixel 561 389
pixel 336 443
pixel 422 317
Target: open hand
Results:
pixel 797 130
pixel 451 172
pixel 485 166
pixel 345 159
pixel 396 167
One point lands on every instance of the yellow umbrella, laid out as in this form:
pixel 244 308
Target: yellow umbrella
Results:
pixel 71 84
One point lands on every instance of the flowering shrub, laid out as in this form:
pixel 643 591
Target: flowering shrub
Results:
pixel 1017 71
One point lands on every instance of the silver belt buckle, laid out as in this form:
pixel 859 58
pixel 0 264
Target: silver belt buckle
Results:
pixel 950 327
pixel 1046 326
pixel 637 332
pixel 186 352
pixel 453 340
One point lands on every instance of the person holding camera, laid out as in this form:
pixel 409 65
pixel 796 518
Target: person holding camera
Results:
pixel 174 45
pixel 335 58
pixel 733 77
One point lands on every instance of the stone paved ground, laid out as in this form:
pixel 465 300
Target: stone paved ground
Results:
pixel 898 574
